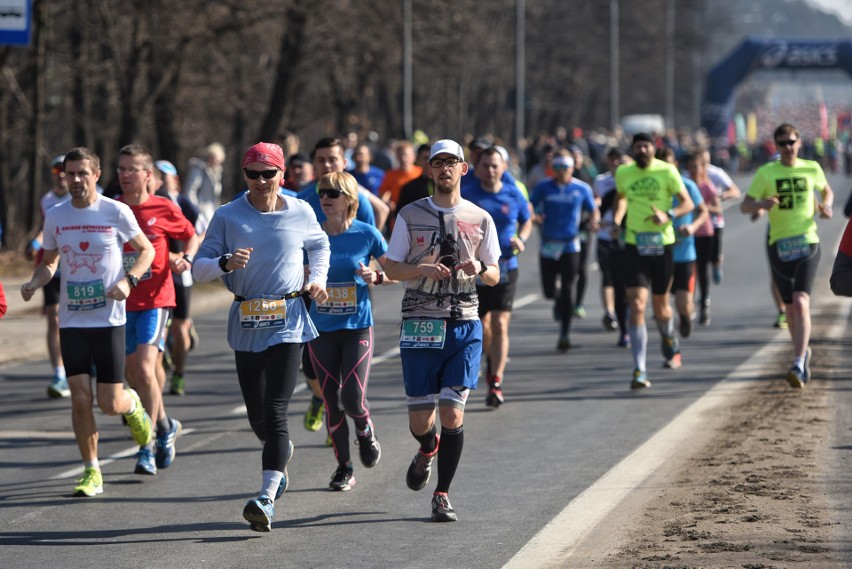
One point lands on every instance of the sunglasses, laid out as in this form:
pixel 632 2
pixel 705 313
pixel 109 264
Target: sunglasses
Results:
pixel 255 174
pixel 332 193
pixel 57 170
pixel 786 142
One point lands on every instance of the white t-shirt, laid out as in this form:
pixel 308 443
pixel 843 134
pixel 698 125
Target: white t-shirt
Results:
pixel 90 242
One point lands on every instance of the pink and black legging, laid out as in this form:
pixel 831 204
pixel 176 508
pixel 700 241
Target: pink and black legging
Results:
pixel 341 360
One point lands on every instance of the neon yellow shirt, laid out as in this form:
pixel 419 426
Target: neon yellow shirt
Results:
pixel 794 186
pixel 655 186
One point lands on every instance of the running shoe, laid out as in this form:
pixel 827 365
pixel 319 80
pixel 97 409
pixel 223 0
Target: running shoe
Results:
pixel 564 344
pixel 624 341
pixel 781 321
pixel 139 421
pixel 313 417
pixel 177 386
pixel 421 467
pixel 579 311
pixel 258 513
pixel 285 480
pixel 685 325
pixel 145 463
pixel 609 322
pixel 165 452
pixel 91 484
pixel 669 347
pixel 704 318
pixel 343 479
pixel 369 448
pixel 442 510
pixel 640 379
pixel 796 377
pixel 58 388
pixel 495 395
pixel 675 362
pixel 718 273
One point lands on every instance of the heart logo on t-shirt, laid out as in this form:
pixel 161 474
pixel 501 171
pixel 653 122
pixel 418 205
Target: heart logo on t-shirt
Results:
pixel 84 245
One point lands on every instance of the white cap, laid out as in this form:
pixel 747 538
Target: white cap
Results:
pixel 447 146
pixel 563 161
pixel 504 154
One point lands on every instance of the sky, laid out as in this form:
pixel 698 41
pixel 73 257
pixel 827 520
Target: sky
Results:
pixel 842 8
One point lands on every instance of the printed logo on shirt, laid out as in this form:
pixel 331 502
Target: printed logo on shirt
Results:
pixel 77 260
pixel 152 221
pixel 792 192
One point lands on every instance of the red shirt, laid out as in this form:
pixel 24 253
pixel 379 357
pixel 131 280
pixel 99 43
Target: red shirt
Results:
pixel 2 301
pixel 159 219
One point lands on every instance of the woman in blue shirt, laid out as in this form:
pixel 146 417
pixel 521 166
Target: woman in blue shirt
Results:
pixel 342 353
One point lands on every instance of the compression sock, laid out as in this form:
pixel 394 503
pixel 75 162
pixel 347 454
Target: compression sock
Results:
pixel 427 441
pixel 666 327
pixel 452 441
pixel 271 481
pixel 639 345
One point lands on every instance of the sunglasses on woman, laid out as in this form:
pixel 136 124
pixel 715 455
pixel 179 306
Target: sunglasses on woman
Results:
pixel 255 174
pixel 332 193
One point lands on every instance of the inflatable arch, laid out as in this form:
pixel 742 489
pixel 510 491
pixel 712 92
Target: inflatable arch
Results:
pixel 756 54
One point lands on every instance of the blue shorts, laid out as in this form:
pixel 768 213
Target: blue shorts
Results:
pixel 426 371
pixel 146 327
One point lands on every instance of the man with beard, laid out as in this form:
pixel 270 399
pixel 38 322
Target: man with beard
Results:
pixel 439 245
pixel 646 192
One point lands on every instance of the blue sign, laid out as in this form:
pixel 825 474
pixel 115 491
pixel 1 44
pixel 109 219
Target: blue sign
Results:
pixel 15 22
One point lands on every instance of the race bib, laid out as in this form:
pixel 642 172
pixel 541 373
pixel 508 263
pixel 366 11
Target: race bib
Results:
pixel 421 333
pixel 342 299
pixel 128 259
pixel 649 244
pixel 552 249
pixel 88 295
pixel 792 248
pixel 263 313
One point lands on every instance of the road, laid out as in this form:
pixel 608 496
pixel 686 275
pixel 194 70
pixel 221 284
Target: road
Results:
pixel 569 420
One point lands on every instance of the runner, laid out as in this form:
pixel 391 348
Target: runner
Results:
pixel 646 192
pixel 726 190
pixel 153 295
pixel 687 227
pixel 438 247
pixel 58 386
pixel 708 237
pixel 343 352
pixel 559 203
pixel 785 189
pixel 256 244
pixel 183 337
pixel 87 232
pixel 510 211
pixel 841 273
pixel 610 251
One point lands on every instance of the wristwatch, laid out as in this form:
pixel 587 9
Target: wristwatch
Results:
pixel 484 267
pixel 223 261
pixel 134 281
pixel 188 259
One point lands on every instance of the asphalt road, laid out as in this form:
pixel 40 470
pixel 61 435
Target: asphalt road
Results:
pixel 569 419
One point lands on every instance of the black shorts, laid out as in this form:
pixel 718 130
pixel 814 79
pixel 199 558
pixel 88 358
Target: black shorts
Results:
pixel 51 292
pixel 642 271
pixel 498 297
pixel 182 298
pixel 607 251
pixel 794 276
pixel 104 346
pixel 684 277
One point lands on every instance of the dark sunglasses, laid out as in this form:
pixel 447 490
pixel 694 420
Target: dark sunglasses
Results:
pixel 255 174
pixel 332 193
pixel 786 142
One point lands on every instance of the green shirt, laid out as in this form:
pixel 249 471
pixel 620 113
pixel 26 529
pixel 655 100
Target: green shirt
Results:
pixel 643 188
pixel 794 186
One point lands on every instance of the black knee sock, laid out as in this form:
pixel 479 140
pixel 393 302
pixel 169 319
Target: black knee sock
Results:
pixel 452 441
pixel 427 441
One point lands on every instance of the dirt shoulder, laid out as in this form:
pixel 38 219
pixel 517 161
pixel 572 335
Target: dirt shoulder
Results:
pixel 760 493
